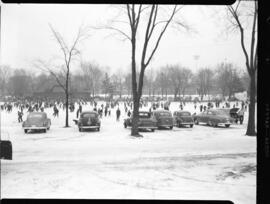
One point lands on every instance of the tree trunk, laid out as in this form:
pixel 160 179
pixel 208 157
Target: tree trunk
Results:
pixel 67 95
pixel 251 130
pixel 135 120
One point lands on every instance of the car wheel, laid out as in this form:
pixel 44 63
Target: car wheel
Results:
pixel 6 150
pixel 196 121
pixel 98 129
pixel 171 127
pixel 191 126
pixel 179 125
pixel 125 125
pixel 25 131
pixel 80 129
pixel 153 130
pixel 227 125
pixel 45 130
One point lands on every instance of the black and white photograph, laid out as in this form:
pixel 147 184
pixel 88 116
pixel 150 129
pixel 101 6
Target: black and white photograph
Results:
pixel 129 101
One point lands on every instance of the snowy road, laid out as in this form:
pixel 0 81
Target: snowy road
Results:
pixel 184 163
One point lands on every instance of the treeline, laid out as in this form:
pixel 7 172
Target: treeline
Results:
pixel 225 79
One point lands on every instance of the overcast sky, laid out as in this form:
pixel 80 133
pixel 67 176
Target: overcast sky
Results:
pixel 26 36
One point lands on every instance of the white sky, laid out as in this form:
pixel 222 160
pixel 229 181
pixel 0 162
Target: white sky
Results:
pixel 25 37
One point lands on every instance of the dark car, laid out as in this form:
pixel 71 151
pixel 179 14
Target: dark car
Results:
pixel 36 121
pixel 236 113
pixel 164 118
pixel 6 148
pixel 182 118
pixel 214 117
pixel 146 121
pixel 88 120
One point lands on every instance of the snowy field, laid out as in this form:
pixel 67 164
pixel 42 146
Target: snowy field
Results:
pixel 184 163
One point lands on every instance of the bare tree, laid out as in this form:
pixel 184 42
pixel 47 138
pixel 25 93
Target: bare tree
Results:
pixel 5 72
pixel 69 54
pixel 204 80
pixel 174 77
pixel 228 79
pixel 92 74
pixel 236 17
pixel 154 29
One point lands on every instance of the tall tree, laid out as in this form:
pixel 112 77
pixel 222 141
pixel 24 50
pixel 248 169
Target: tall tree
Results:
pixel 154 28
pixel 69 54
pixel 237 15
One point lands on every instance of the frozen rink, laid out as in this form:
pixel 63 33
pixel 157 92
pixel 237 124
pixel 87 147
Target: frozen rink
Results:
pixel 184 163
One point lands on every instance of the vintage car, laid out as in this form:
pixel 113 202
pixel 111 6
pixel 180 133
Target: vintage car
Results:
pixel 236 113
pixel 37 121
pixel 164 118
pixel 213 117
pixel 182 118
pixel 146 121
pixel 88 120
pixel 5 147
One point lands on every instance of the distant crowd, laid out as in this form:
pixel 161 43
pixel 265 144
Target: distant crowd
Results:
pixel 103 108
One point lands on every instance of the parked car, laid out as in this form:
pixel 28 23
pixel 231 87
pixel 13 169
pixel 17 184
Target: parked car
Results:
pixel 146 121
pixel 37 121
pixel 5 147
pixel 182 118
pixel 214 117
pixel 164 118
pixel 88 120
pixel 236 113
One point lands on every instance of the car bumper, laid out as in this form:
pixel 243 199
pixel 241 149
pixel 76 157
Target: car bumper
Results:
pixel 165 125
pixel 145 127
pixel 187 123
pixel 89 127
pixel 34 128
pixel 227 123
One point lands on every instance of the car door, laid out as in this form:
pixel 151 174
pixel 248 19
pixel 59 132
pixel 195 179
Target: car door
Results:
pixel 202 118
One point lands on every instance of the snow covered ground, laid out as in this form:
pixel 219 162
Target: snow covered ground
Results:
pixel 184 163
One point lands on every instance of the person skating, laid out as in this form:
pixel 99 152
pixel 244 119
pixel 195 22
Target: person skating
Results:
pixel 118 112
pixel 20 114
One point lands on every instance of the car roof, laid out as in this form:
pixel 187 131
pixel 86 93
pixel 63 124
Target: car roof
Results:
pixel 37 113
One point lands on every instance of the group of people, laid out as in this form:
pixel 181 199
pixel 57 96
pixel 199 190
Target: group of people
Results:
pixel 103 108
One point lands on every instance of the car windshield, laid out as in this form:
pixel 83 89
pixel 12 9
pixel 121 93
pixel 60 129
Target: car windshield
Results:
pixel 32 116
pixel 88 115
pixel 234 110
pixel 144 115
pixel 164 114
pixel 184 114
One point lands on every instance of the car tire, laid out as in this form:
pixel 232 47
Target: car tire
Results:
pixel 196 121
pixel 98 129
pixel 191 126
pixel 25 131
pixel 178 124
pixel 6 150
pixel 80 129
pixel 125 125
pixel 171 127
pixel 227 125
pixel 45 130
pixel 153 130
